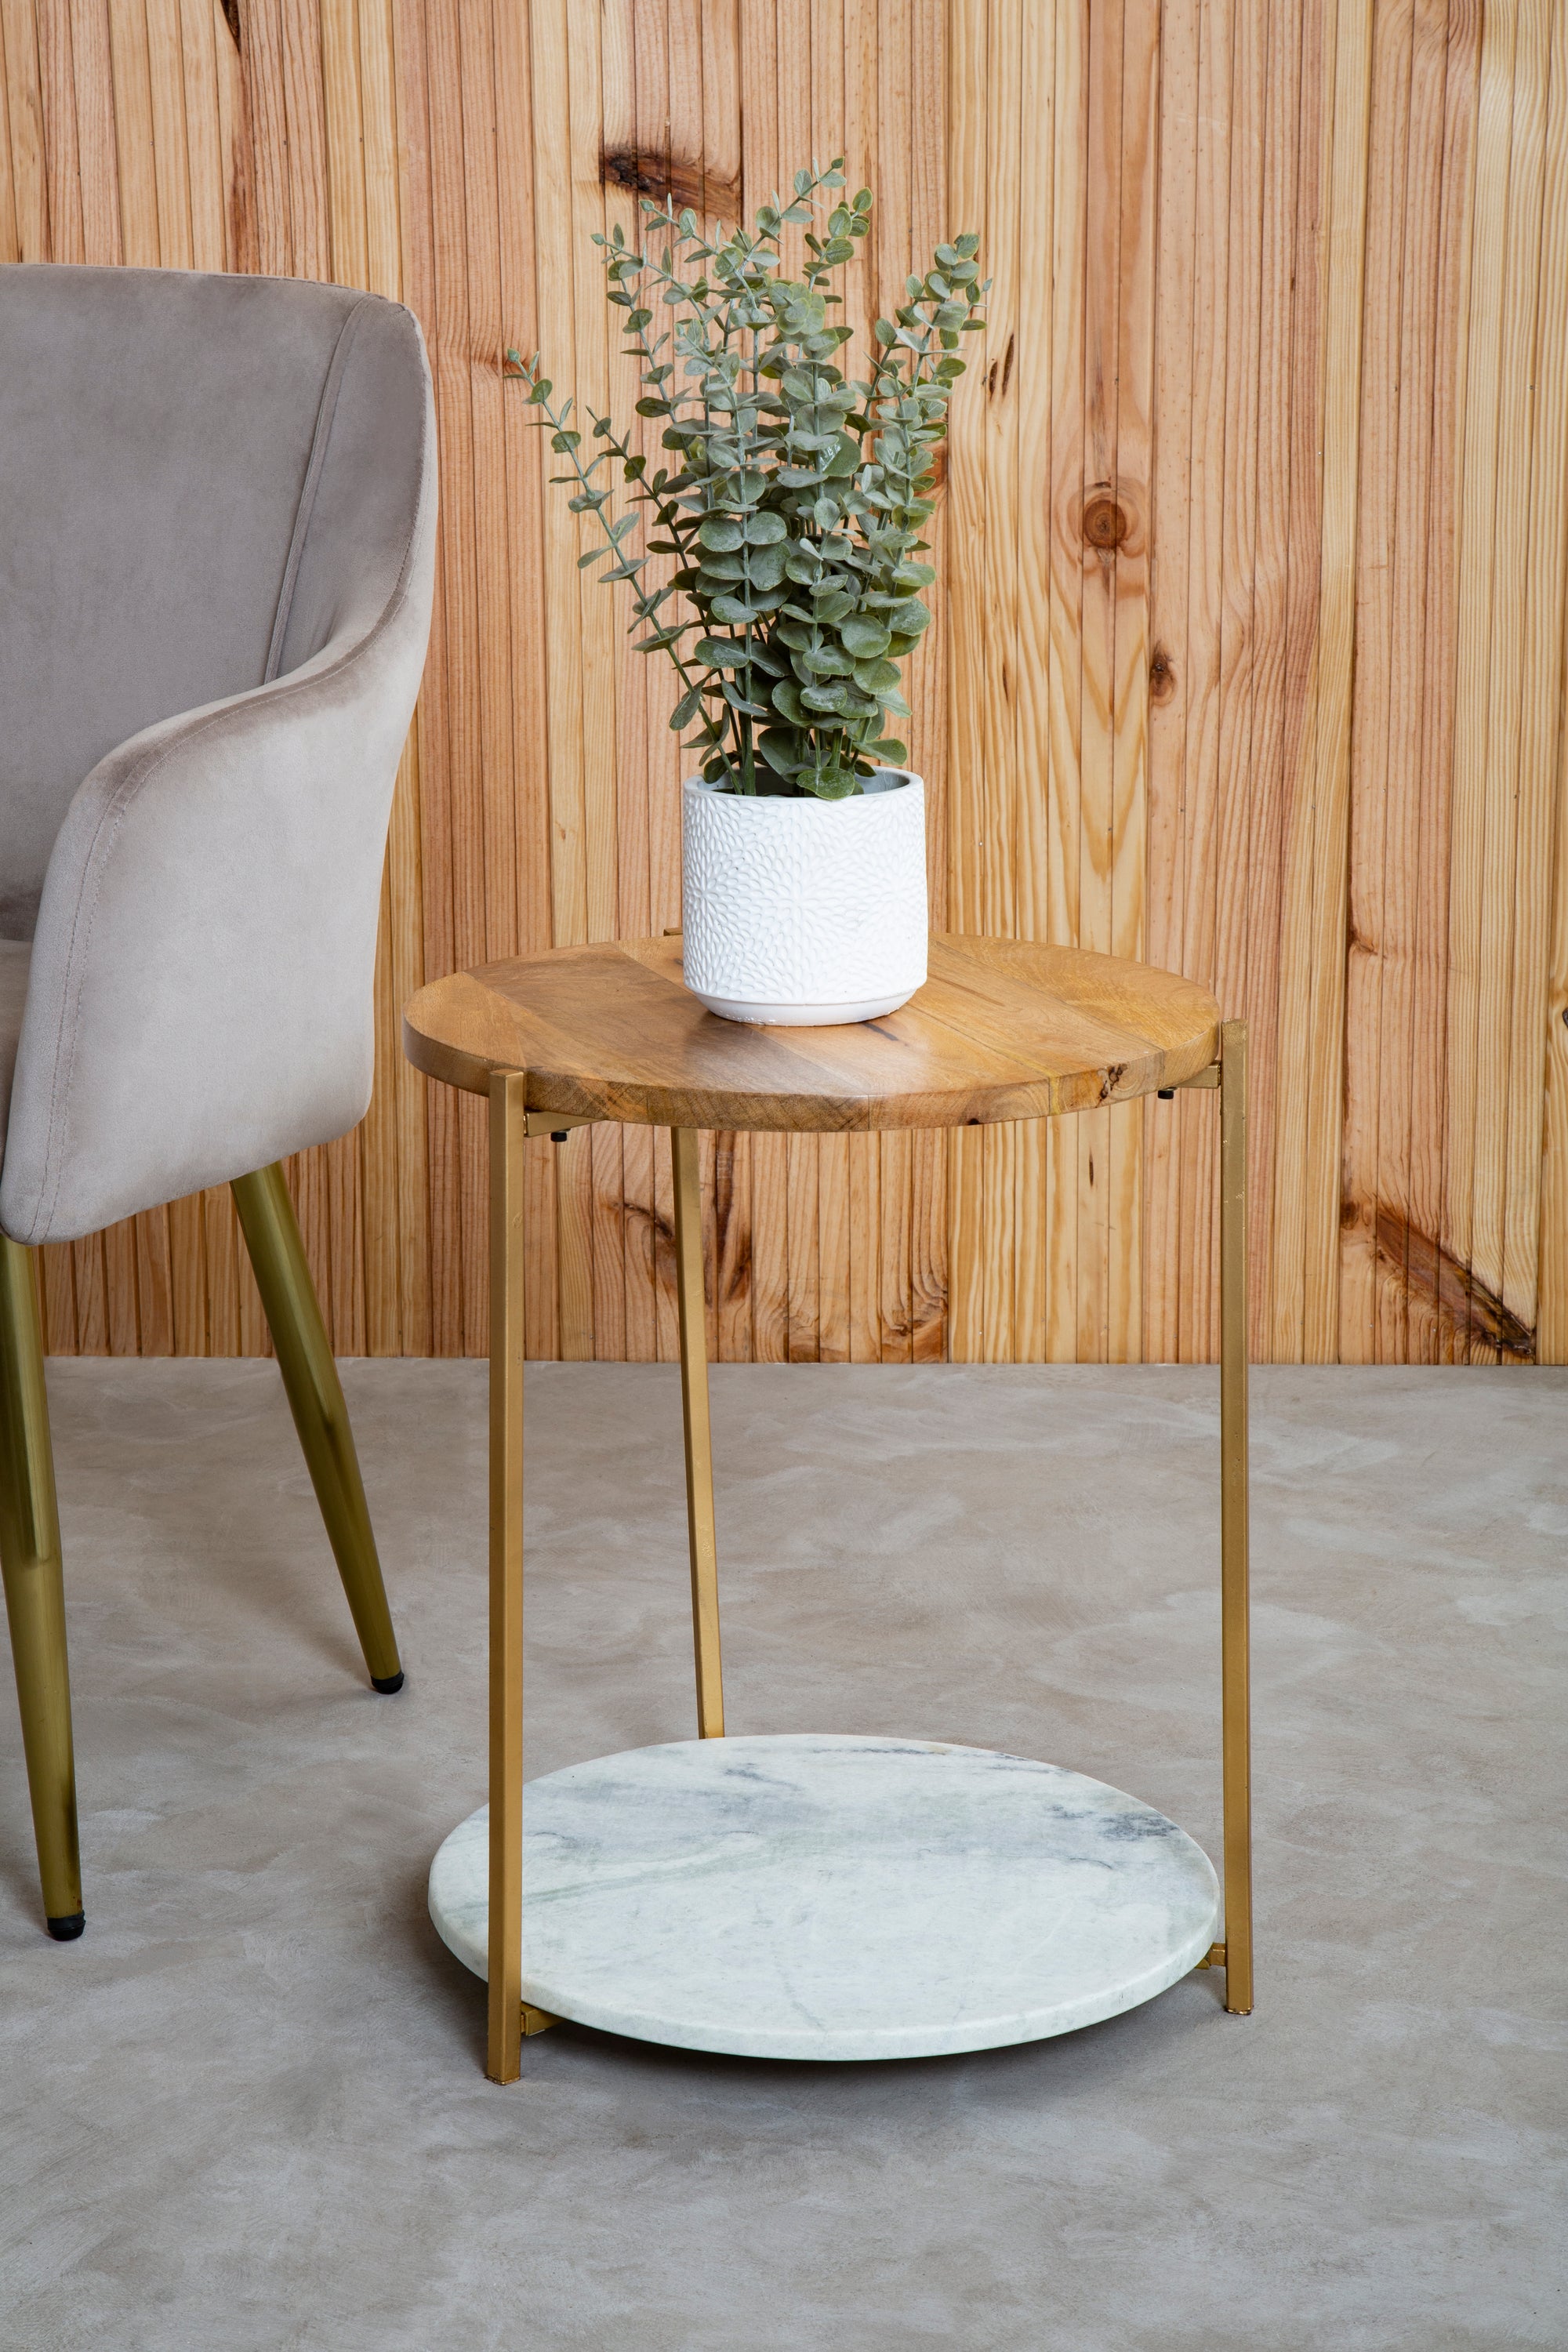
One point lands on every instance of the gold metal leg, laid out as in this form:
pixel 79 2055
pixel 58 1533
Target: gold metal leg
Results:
pixel 34 1592
pixel 1235 1732
pixel 316 1399
pixel 699 1435
pixel 509 1131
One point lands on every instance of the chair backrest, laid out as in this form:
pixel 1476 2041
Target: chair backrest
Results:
pixel 203 479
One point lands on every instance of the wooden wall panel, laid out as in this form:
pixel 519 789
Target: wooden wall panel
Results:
pixel 1249 656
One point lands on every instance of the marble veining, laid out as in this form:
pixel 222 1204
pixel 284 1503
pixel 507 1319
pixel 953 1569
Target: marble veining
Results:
pixel 835 1896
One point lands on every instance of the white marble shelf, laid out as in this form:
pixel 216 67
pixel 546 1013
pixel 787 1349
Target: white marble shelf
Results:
pixel 833 1897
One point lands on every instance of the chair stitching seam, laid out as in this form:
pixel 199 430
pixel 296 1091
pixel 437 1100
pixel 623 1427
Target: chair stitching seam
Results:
pixel 332 383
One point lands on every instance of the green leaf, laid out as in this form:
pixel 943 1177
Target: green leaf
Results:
pixel 867 640
pixel 830 783
pixel 685 708
pixel 766 529
pixel 825 699
pixel 592 557
pixel 731 609
pixel 890 751
pixel 786 701
pixel 876 677
pixel 564 441
pixel 781 748
pixel 967 246
pixel 719 653
pixel 764 567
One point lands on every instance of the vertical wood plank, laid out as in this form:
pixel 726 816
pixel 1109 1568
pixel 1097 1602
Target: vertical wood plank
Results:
pixel 1375 804
pixel 1064 688
pixel 1170 508
pixel 969 70
pixel 1284 562
pixel 1523 705
pixel 1532 1284
pixel 1312 1032
pixel 24 220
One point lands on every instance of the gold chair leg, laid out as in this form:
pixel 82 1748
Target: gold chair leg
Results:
pixel 1236 1728
pixel 34 1592
pixel 316 1399
pixel 699 1435
pixel 508 1133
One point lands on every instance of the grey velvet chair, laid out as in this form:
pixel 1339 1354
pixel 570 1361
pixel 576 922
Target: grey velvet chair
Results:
pixel 217 511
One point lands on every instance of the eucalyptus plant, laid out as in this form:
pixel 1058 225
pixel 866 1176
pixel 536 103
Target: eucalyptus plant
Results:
pixel 795 496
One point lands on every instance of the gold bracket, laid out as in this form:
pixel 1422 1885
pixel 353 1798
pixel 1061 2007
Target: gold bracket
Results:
pixel 1214 1958
pixel 554 1123
pixel 1204 1081
pixel 540 2020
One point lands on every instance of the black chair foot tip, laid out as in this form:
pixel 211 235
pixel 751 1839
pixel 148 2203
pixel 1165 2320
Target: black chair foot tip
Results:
pixel 67 1928
pixel 387 1683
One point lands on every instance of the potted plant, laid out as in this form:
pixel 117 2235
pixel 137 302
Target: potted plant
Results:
pixel 792 504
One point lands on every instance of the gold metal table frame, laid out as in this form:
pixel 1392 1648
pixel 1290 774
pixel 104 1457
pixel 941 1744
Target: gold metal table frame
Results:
pixel 460 1038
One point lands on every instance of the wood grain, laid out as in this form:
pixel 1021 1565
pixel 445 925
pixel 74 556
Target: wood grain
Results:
pixel 1284 286
pixel 1003 1030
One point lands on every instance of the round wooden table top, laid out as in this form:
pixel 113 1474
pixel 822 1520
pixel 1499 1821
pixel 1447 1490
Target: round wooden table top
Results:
pixel 1003 1029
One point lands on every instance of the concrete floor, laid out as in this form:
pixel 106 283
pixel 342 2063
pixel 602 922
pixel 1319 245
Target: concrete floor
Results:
pixel 247 2109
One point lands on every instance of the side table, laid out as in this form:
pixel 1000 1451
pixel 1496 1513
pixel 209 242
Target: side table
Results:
pixel 805 1897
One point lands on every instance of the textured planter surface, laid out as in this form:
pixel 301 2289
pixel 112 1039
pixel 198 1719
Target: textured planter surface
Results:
pixel 805 912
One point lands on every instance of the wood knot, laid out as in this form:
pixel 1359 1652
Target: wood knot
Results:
pixel 683 181
pixel 1162 676
pixel 1105 524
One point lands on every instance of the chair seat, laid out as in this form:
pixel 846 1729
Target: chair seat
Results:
pixel 15 956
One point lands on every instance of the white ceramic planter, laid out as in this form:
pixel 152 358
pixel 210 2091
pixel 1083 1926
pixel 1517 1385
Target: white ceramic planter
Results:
pixel 804 912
